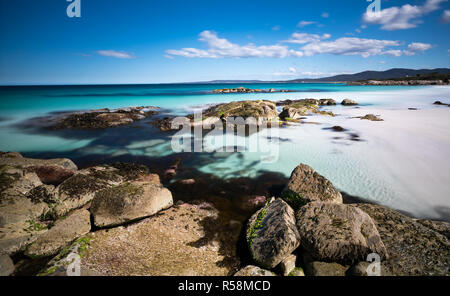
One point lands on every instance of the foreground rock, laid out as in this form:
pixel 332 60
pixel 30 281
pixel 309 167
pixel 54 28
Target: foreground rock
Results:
pixel 306 185
pixel 251 270
pixel 49 171
pixel 338 233
pixel 186 239
pixel 104 118
pixel 414 249
pixel 129 201
pixel 6 265
pixel 271 234
pixel 318 268
pixel 64 232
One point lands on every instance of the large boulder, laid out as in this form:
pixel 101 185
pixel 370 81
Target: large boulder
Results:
pixel 414 248
pixel 186 239
pixel 252 270
pixel 308 185
pixel 128 202
pixel 62 233
pixel 80 189
pixel 50 171
pixel 271 234
pixel 338 233
pixel 299 108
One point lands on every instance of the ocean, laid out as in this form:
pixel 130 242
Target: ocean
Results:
pixel 368 166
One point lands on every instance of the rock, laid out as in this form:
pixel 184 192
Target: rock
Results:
pixel 338 233
pixel 66 263
pixel 128 202
pixel 104 118
pixel 317 268
pixel 41 166
pixel 327 102
pixel 251 270
pixel 51 174
pixel 338 128
pixel 360 269
pixel 271 234
pixel 371 117
pixel 187 239
pixel 6 265
pixel 43 194
pixel 65 231
pixel 298 271
pixel 287 265
pixel 244 109
pixel 413 248
pixel 80 189
pixel 348 102
pixel 307 185
pixel 299 108
pixel 438 226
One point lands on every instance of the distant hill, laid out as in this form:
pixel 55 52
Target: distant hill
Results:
pixel 366 75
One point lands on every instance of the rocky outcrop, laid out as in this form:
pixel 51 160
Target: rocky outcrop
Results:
pixel 306 185
pixel 348 102
pixel 414 249
pixel 6 265
pixel 128 202
pixel 247 90
pixel 104 118
pixel 65 231
pixel 252 270
pixel 186 240
pixel 244 109
pixel 438 226
pixel 299 108
pixel 327 102
pixel 338 233
pixel 271 234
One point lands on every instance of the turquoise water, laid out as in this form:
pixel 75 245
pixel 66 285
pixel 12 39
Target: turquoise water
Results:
pixel 354 167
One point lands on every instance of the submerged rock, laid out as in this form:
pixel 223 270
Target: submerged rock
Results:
pixel 371 117
pixel 128 202
pixel 65 231
pixel 306 185
pixel 251 270
pixel 271 234
pixel 338 233
pixel 414 249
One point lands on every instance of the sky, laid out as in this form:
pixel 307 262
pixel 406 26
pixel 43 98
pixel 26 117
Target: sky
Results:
pixel 167 41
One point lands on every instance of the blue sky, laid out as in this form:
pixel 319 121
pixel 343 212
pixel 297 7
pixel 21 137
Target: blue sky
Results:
pixel 160 41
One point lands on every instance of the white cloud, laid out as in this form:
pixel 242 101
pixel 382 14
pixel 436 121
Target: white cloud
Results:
pixel 350 46
pixel 401 18
pixel 222 48
pixel 276 28
pixel 417 47
pixel 303 38
pixel 115 54
pixel 312 44
pixel 446 16
pixel 305 23
pixel 325 15
pixel 291 72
